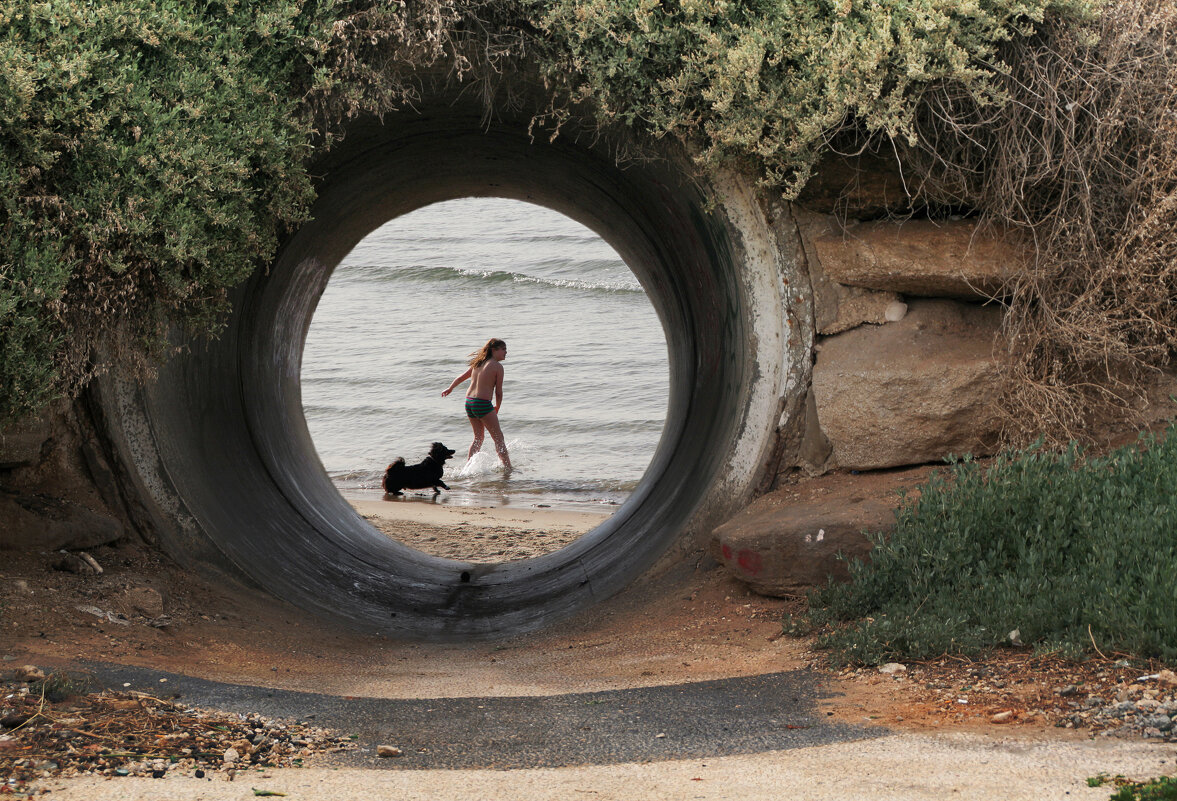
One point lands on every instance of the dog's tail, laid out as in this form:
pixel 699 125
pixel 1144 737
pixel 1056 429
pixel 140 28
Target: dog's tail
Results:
pixel 397 464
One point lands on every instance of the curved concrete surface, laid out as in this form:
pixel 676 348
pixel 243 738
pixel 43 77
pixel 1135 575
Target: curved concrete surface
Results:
pixel 739 715
pixel 218 448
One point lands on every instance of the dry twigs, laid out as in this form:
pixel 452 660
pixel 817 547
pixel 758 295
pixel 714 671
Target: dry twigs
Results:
pixel 115 734
pixel 1081 163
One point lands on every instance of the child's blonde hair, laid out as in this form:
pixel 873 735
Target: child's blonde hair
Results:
pixel 482 355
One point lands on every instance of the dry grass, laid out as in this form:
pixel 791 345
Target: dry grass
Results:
pixel 1081 163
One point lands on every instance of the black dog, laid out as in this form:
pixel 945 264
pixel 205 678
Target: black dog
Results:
pixel 400 476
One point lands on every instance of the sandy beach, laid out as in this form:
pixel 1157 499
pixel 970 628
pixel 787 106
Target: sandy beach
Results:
pixel 477 534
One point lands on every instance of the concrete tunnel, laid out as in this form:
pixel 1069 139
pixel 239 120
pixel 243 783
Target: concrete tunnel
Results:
pixel 217 454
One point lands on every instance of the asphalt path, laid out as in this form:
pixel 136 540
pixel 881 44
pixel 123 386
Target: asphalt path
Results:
pixel 745 715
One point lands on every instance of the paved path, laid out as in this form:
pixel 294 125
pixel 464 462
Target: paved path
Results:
pixel 758 738
pixel 744 715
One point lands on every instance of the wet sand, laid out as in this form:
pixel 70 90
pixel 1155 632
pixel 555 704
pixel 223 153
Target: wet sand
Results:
pixel 477 534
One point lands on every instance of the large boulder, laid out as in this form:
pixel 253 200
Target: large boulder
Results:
pixel 800 536
pixel 913 391
pixel 919 257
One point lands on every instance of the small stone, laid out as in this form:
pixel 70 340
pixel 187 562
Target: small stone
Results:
pixel 1158 722
pixel 146 600
pixel 895 311
pixel 231 756
pixel 29 673
pixel 388 751
pixel 80 563
pixel 1002 717
pixel 893 668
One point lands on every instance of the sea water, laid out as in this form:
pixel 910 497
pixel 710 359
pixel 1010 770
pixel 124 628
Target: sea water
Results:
pixel 585 388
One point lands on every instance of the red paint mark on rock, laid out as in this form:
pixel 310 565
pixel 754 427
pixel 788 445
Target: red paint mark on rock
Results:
pixel 749 561
pixel 727 553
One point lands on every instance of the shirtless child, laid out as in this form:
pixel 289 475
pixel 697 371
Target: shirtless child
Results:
pixel 486 382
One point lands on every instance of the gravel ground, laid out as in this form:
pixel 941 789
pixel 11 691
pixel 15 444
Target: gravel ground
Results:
pixel 901 767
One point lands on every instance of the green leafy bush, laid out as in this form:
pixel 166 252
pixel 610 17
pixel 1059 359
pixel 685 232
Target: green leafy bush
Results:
pixel 1073 552
pixel 150 157
pixel 153 153
pixel 763 84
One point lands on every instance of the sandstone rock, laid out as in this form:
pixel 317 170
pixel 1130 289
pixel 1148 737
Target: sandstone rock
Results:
pixel 919 257
pixel 913 391
pixel 22 442
pixel 784 547
pixel 860 187
pixel 814 449
pixel 53 524
pixel 837 307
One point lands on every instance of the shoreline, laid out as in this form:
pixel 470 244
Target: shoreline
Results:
pixel 477 533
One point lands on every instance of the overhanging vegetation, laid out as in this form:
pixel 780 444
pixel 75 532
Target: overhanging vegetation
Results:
pixel 155 154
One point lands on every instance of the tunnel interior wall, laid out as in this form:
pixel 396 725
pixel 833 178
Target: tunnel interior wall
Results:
pixel 219 447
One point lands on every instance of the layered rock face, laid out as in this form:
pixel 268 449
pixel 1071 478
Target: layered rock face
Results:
pixel 911 391
pixel 907 318
pixel 907 360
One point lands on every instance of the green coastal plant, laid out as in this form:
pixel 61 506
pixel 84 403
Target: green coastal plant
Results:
pixel 151 156
pixel 765 85
pixel 1163 788
pixel 1075 552
pixel 153 153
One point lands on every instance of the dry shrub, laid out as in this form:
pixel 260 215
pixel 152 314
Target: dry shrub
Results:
pixel 1082 163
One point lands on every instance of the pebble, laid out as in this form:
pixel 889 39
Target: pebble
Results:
pixel 29 673
pixel 231 756
pixel 81 563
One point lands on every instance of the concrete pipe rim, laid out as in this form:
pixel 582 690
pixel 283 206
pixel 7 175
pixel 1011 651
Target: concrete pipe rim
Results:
pixel 220 444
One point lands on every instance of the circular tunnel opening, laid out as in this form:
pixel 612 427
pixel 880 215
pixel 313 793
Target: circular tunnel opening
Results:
pixel 585 389
pixel 224 462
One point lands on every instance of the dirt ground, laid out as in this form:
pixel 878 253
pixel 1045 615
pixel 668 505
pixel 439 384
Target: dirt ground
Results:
pixel 695 623
pixel 700 624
